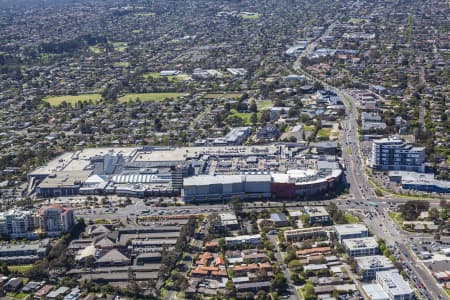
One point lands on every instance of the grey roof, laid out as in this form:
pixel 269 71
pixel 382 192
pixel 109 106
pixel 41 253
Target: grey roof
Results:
pixel 62 290
pixel 278 217
pixel 149 255
pixel 113 255
pixel 252 285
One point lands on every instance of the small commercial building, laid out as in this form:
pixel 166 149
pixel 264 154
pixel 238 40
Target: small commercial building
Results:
pixel 375 292
pixel 420 181
pixel 279 219
pixel 317 215
pixel 297 235
pixel 394 285
pixel 23 253
pixel 351 231
pixel 368 266
pixel 243 240
pixel 361 246
pixel 228 221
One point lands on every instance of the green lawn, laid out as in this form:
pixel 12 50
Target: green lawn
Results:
pixel 264 104
pixel 309 128
pixel 351 219
pixel 120 46
pixel 17 295
pixel 244 116
pixel 155 75
pixel 223 95
pixel 20 268
pixel 250 17
pixel 149 97
pixel 96 49
pixel 356 21
pixel 324 133
pixel 448 159
pixel 397 217
pixel 122 64
pixel 150 14
pixel 57 100
pixel 101 221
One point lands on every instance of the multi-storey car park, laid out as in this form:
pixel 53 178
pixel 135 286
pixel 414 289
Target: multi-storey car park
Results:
pixel 198 174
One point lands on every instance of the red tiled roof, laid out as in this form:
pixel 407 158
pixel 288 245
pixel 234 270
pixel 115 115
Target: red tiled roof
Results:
pixel 211 244
pixel 313 251
pixel 221 273
pixel 220 261
pixel 62 209
pixel 252 267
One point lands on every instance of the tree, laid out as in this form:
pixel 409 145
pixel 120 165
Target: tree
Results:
pixel 236 205
pixel 433 213
pixel 253 118
pixel 412 209
pixel 308 291
pixel 253 108
pixel 279 283
pixel 295 265
pixel 221 243
pixel 4 269
pixel 231 290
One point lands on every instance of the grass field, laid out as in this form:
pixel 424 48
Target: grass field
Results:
pixel 20 268
pixel 150 14
pixel 351 219
pixel 244 116
pixel 250 17
pixel 308 128
pixel 357 21
pixel 155 75
pixel 17 295
pixel 324 133
pixel 265 104
pixel 95 49
pixel 225 95
pixel 149 97
pixel 122 64
pixel 57 100
pixel 120 46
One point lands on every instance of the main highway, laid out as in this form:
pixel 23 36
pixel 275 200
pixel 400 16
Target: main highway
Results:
pixel 360 188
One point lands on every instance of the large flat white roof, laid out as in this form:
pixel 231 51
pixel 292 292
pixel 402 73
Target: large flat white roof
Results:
pixel 344 229
pixel 375 292
pixel 361 243
pixel 394 282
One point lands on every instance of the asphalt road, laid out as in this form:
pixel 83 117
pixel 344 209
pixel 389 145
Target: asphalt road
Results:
pixel 280 259
pixel 362 191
